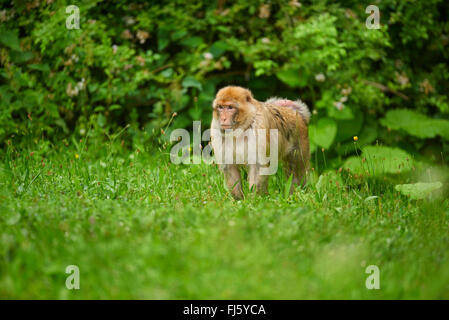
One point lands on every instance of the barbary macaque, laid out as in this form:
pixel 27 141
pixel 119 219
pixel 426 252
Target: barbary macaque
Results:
pixel 244 131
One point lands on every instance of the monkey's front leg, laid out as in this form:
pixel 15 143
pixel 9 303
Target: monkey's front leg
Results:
pixel 256 180
pixel 232 178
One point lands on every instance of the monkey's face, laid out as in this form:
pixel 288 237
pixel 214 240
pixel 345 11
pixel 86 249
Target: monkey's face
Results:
pixel 226 115
pixel 232 107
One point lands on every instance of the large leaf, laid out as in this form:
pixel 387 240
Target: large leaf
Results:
pixel 10 39
pixel 378 160
pixel 163 38
pixel 21 57
pixel 191 82
pixel 367 135
pixel 41 67
pixel 416 124
pixel 418 190
pixel 192 42
pixel 323 132
pixel 346 129
pixel 218 48
pixel 292 77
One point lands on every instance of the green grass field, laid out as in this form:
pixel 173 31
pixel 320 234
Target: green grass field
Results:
pixel 140 227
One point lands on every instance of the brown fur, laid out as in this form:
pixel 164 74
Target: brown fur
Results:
pixel 289 117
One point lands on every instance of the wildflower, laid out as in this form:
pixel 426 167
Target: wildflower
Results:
pixel 225 12
pixel 320 77
pixel 355 138
pixel 208 56
pixel 129 20
pixel 346 91
pixel 339 105
pixel 126 34
pixel 402 79
pixel 128 66
pixel 142 36
pixel 426 87
pixel 77 155
pixel 71 91
pixel 295 3
pixel 265 40
pixel 264 11
pixel 140 60
pixel 81 84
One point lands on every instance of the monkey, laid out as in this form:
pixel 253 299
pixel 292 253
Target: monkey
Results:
pixel 237 115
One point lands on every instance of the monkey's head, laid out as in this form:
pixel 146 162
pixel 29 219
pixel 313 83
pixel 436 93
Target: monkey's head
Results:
pixel 233 107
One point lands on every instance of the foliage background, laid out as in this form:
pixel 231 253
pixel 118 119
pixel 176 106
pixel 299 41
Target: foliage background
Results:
pixel 139 62
pixel 84 172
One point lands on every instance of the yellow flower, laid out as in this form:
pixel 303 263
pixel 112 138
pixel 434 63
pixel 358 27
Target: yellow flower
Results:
pixel 356 138
pixel 77 155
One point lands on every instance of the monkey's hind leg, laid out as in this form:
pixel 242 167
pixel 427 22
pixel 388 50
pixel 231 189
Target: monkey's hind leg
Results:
pixel 256 180
pixel 233 180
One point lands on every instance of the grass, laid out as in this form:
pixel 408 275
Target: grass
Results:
pixel 139 227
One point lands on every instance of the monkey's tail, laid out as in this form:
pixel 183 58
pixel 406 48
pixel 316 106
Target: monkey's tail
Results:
pixel 298 105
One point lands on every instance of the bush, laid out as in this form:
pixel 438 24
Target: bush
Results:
pixel 138 63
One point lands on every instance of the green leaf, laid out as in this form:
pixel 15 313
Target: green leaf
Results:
pixel 99 109
pixel 62 124
pixel 20 57
pixel 218 48
pixel 418 190
pixel 115 107
pixel 190 82
pixel 343 114
pixel 167 73
pixel 178 35
pixel 192 42
pixel 292 77
pixel 378 160
pixel 323 133
pixel 41 67
pixel 416 124
pixel 10 39
pixel 366 136
pixel 287 186
pixel 101 120
pixel 346 129
pixel 163 37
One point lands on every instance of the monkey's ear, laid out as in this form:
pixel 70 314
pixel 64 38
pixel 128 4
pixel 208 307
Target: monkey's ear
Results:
pixel 249 96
